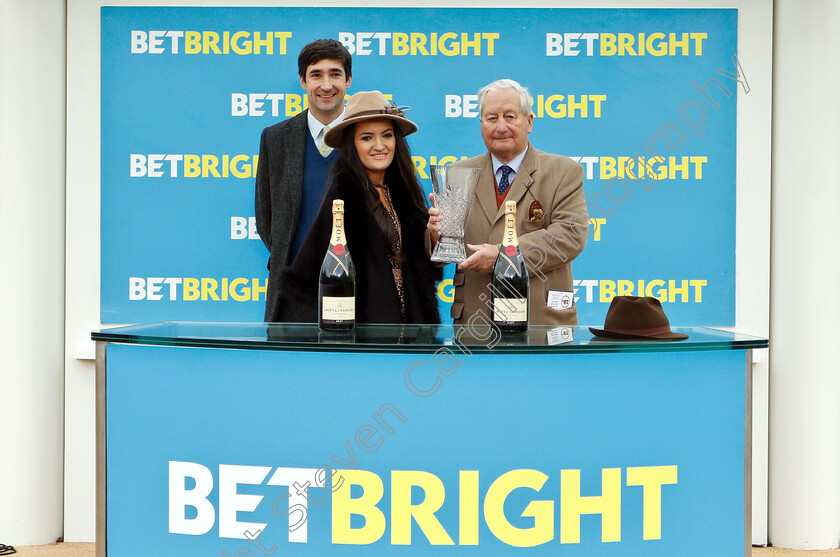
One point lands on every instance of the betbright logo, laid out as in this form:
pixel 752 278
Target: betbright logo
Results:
pixel 624 44
pixel 192 513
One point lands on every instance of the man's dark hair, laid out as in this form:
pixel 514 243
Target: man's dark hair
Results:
pixel 324 49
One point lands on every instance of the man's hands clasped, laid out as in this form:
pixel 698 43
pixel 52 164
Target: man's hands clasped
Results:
pixel 484 256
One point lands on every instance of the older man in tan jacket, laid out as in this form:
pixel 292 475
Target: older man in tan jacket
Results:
pixel 551 216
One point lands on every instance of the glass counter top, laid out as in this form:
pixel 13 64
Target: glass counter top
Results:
pixel 412 338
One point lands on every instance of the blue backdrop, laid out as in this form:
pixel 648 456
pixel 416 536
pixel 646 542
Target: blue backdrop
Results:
pixel 187 91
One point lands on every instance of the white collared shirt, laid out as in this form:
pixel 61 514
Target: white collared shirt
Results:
pixel 514 166
pixel 315 126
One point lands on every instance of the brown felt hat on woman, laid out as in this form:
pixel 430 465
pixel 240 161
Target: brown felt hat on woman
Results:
pixel 369 105
pixel 635 317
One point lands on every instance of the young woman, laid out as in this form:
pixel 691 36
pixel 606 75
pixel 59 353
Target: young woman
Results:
pixel 384 219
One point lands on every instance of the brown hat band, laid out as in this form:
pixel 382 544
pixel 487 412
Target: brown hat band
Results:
pixel 391 110
pixel 651 331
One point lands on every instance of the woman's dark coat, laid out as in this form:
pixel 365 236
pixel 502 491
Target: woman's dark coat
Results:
pixel 376 293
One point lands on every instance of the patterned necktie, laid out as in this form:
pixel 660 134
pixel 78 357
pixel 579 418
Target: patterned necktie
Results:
pixel 323 148
pixel 504 184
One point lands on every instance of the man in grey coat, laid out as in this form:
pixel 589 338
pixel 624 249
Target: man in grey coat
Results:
pixel 294 161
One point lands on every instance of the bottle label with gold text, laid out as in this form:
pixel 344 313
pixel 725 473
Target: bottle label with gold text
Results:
pixel 510 310
pixel 341 308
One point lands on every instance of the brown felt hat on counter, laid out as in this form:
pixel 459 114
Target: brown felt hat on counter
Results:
pixel 636 317
pixel 369 105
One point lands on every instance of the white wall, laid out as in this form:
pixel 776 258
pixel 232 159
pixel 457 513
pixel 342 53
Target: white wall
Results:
pixel 32 72
pixel 753 223
pixel 805 349
pixel 82 281
pixel 752 228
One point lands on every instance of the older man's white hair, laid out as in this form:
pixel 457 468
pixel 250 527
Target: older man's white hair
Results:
pixel 525 99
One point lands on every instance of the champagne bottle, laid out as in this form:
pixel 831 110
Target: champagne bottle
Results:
pixel 337 281
pixel 510 287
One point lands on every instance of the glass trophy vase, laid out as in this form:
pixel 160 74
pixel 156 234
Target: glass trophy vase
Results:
pixel 454 193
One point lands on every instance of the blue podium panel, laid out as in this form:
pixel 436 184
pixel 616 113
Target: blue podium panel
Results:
pixel 251 452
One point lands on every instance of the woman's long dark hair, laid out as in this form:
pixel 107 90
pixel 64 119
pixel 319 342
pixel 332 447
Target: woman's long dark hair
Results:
pixel 400 173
